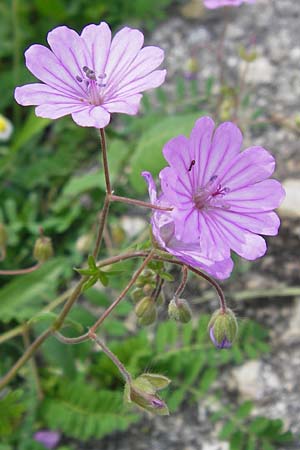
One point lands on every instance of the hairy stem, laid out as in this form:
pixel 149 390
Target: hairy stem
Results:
pixel 21 271
pixel 181 286
pixel 126 375
pixel 132 201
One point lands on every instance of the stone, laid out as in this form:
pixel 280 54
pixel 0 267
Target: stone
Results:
pixel 290 207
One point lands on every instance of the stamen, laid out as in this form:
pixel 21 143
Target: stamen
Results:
pixel 191 165
pixel 78 78
pixel 211 195
pixel 89 73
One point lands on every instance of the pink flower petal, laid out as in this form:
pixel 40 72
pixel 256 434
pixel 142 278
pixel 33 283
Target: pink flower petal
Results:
pixel 226 144
pixel 71 52
pixel 253 165
pixel 38 93
pixel 199 148
pixel 57 110
pixel 244 243
pixel 98 40
pixel 150 81
pixel 124 48
pixel 128 105
pixel 263 196
pixel 47 68
pixel 94 116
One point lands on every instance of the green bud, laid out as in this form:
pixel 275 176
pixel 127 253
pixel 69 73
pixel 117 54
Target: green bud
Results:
pixel 223 328
pixel 43 249
pixel 142 392
pixel 146 311
pixel 149 318
pixel 179 310
pixel 136 294
pixel 143 306
pixel 3 236
pixel 148 288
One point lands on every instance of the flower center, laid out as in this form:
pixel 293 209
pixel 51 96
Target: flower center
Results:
pixel 211 195
pixel 94 88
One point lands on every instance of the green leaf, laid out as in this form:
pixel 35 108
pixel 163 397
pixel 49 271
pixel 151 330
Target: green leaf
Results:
pixel 244 410
pixel 11 410
pixel 166 276
pixel 148 153
pixel 237 440
pixel 258 425
pixel 33 126
pixel 103 278
pixel 90 282
pixel 207 379
pixel 227 430
pixel 24 296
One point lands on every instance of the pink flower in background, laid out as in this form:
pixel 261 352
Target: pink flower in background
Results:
pixel 90 75
pixel 189 253
pixel 222 198
pixel 49 439
pixel 213 4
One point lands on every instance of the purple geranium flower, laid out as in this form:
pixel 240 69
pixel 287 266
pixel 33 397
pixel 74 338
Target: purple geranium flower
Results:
pixel 189 253
pixel 48 438
pixel 213 4
pixel 90 75
pixel 221 197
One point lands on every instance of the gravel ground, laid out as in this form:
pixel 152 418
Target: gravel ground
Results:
pixel 273 382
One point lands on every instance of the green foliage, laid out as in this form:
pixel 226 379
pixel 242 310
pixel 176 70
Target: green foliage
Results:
pixel 245 432
pixel 24 296
pixel 85 412
pixel 11 410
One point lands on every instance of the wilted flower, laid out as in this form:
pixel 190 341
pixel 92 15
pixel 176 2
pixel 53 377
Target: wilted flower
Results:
pixel 164 233
pixel 89 75
pixel 143 392
pixel 213 4
pixel 221 197
pixel 6 128
pixel 48 438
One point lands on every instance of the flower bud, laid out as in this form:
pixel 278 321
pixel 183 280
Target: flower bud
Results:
pixel 223 328
pixel 142 392
pixel 43 249
pixel 136 294
pixel 180 310
pixel 148 288
pixel 3 236
pixel 146 311
pixel 248 56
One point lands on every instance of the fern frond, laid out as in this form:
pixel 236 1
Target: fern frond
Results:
pixel 82 412
pixel 11 409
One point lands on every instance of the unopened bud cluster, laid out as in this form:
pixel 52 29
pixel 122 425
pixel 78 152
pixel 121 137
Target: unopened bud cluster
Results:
pixel 143 296
pixel 223 328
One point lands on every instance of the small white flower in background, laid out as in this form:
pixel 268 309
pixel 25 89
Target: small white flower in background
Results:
pixel 6 128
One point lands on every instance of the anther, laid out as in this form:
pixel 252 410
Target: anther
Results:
pixel 78 78
pixel 89 73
